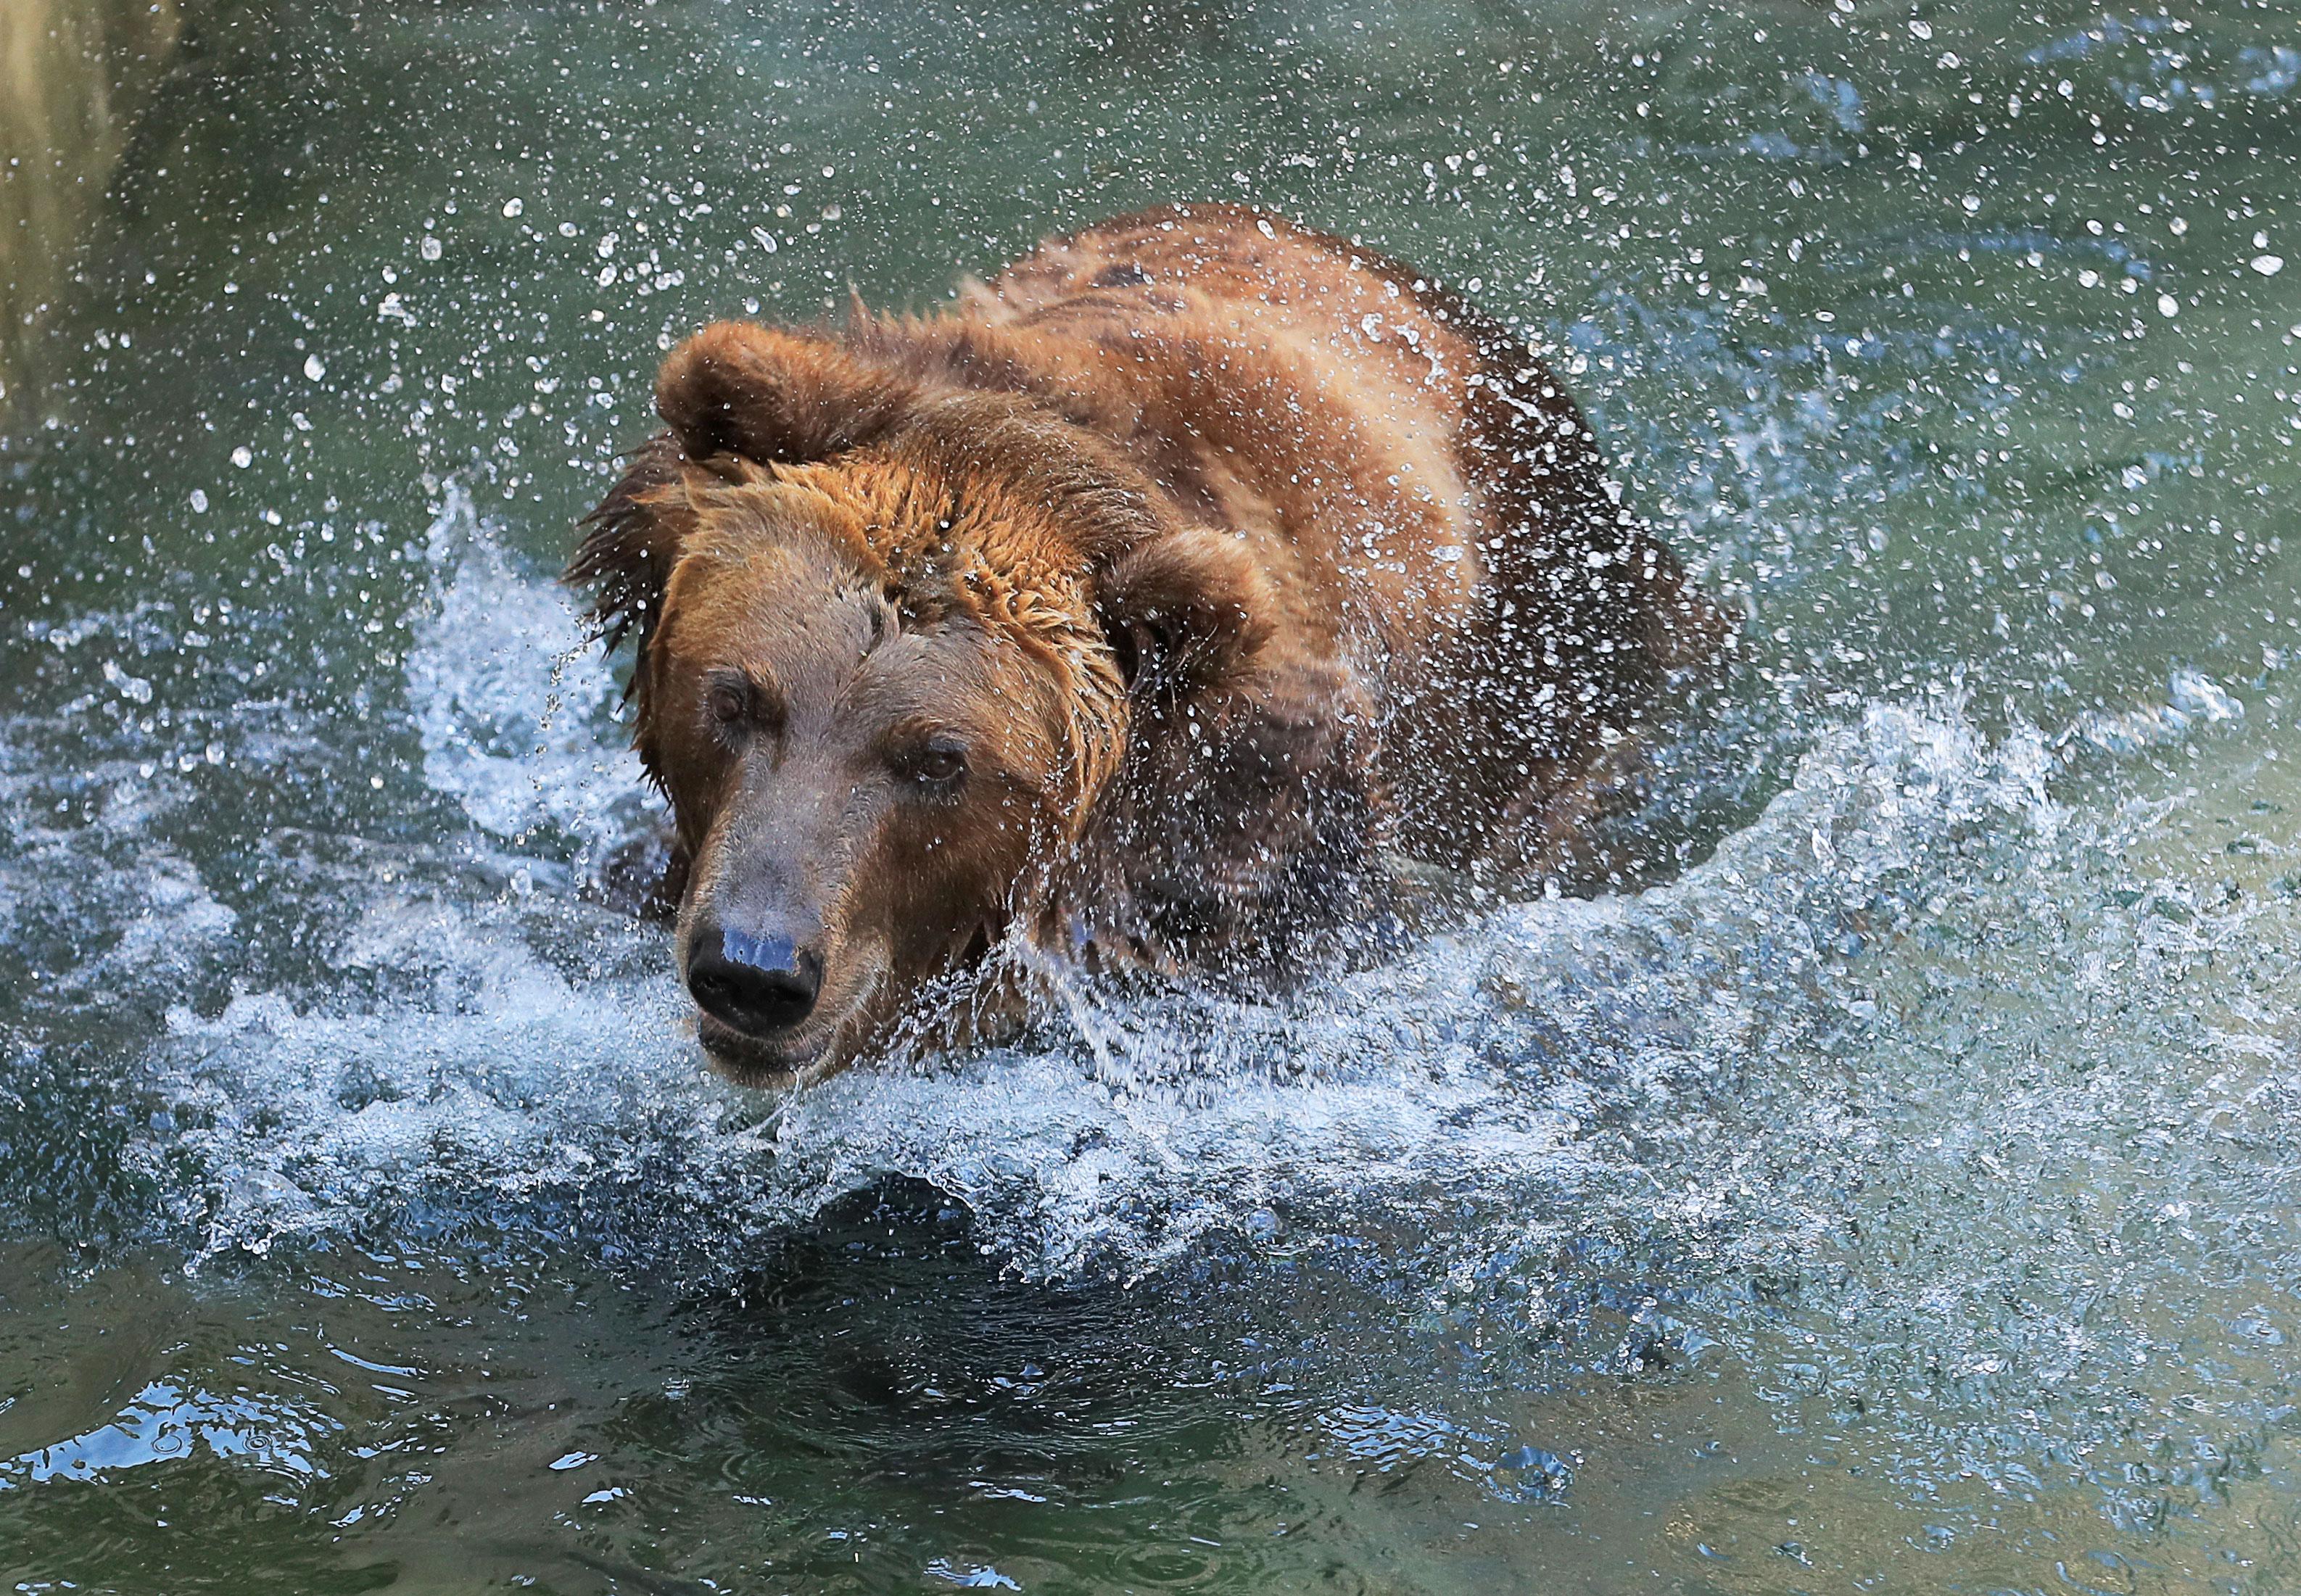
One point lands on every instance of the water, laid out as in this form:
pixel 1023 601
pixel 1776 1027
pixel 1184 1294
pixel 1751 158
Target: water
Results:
pixel 1899 1196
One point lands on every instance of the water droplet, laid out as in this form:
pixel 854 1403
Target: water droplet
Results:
pixel 2268 265
pixel 199 500
pixel 315 367
pixel 2167 305
pixel 242 457
pixel 513 207
pixel 430 248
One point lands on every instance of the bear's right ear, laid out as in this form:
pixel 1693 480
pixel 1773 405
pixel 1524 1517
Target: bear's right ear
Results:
pixel 775 396
pixel 1183 609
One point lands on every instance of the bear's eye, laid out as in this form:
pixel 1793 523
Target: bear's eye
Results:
pixel 938 762
pixel 735 706
pixel 729 703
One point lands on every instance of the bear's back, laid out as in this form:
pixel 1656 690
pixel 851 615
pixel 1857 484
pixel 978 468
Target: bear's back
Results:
pixel 1284 383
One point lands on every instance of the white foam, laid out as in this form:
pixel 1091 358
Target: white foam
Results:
pixel 1481 1061
pixel 477 1043
pixel 2193 700
pixel 139 907
pixel 493 1078
pixel 511 700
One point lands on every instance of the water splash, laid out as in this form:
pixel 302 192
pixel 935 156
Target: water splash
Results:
pixel 511 702
pixel 500 1046
pixel 1707 1067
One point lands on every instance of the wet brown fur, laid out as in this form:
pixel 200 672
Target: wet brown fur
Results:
pixel 1242 552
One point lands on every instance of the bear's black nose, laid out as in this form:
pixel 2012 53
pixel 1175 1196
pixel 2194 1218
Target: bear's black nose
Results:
pixel 759 985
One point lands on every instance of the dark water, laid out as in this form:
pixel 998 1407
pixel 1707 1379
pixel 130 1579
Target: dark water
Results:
pixel 1903 1198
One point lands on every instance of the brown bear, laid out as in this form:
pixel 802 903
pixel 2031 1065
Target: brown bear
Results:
pixel 1132 610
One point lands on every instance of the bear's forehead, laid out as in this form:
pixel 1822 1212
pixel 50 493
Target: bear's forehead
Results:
pixel 833 642
pixel 785 593
pixel 816 557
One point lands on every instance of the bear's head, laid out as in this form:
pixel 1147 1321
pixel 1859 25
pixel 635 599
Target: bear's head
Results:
pixel 887 634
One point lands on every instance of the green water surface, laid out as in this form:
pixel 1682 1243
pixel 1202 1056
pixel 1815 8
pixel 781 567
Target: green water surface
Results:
pixel 1904 1201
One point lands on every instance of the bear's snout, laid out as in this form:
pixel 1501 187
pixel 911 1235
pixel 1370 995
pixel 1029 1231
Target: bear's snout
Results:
pixel 758 985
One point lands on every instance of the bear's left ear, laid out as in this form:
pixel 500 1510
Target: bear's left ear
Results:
pixel 1182 610
pixel 632 541
pixel 776 397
